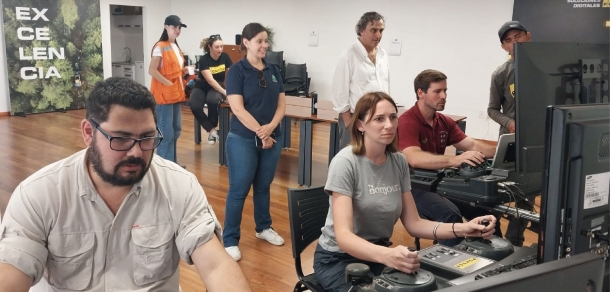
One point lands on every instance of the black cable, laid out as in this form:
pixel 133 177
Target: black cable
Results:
pixel 524 197
pixel 516 209
pixel 456 212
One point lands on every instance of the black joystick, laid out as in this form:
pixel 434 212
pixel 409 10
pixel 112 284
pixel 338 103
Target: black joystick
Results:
pixel 495 248
pixel 357 274
pixel 390 280
pixel 469 171
pixel 485 222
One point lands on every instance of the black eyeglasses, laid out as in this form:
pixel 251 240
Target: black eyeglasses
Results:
pixel 214 36
pixel 262 83
pixel 126 143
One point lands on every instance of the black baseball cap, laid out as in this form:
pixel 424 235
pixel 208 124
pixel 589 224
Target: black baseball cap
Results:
pixel 174 20
pixel 509 26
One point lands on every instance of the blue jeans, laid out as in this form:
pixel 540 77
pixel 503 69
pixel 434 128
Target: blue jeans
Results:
pixel 248 166
pixel 169 121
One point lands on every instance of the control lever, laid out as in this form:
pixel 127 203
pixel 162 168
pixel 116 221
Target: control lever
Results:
pixel 357 274
pixel 471 239
pixel 485 222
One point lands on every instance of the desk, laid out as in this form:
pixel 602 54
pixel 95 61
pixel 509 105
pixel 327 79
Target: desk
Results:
pixel 296 107
pixel 299 108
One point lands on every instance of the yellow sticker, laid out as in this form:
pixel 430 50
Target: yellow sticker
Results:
pixel 467 263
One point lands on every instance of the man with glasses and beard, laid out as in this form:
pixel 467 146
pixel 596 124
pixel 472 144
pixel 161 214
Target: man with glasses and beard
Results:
pixel 114 216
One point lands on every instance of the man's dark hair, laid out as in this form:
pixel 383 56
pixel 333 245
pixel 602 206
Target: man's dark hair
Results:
pixel 422 80
pixel 118 91
pixel 250 31
pixel 367 18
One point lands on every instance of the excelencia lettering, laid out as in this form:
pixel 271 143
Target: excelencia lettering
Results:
pixel 38 53
pixel 595 5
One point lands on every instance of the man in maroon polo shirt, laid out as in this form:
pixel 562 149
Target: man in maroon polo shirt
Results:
pixel 423 134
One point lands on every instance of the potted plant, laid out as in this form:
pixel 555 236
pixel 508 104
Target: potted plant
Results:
pixel 270 35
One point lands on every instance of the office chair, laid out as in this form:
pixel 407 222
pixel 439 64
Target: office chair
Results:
pixel 197 57
pixel 296 79
pixel 277 59
pixel 307 209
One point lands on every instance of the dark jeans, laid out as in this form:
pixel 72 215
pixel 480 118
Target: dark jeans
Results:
pixel 248 166
pixel 329 268
pixel 516 227
pixel 345 135
pixel 213 99
pixel 433 206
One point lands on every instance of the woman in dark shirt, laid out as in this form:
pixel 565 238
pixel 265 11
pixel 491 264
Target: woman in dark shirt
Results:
pixel 256 94
pixel 209 88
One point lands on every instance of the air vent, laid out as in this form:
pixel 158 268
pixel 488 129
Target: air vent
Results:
pixel 604 146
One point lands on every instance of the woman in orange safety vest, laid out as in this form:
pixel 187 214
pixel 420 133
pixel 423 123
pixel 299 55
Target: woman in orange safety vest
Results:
pixel 167 86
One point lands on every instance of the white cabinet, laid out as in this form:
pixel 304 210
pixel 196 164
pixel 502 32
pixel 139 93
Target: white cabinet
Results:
pixel 127 21
pixel 117 70
pixel 139 73
pixel 120 21
pixel 135 20
pixel 128 71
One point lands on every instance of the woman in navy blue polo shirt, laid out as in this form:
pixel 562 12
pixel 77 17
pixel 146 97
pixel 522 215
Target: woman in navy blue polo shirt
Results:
pixel 255 92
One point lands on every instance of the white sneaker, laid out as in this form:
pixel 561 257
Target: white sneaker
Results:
pixel 234 252
pixel 213 137
pixel 271 236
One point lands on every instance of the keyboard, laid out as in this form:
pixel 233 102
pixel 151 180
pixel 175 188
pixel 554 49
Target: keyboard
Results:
pixel 515 265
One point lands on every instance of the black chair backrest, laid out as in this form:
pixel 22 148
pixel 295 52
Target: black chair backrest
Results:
pixel 296 73
pixel 307 208
pixel 277 59
pixel 197 57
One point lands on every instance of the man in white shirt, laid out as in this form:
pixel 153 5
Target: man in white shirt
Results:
pixel 363 68
pixel 114 216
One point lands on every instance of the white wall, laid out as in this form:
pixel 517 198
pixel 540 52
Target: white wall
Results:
pixel 458 38
pixel 5 105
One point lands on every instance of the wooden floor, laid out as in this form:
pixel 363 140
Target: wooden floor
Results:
pixel 29 143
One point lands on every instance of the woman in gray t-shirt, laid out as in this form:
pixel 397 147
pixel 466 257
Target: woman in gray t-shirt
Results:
pixel 369 187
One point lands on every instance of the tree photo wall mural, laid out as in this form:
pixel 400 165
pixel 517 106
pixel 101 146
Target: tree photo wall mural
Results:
pixel 53 51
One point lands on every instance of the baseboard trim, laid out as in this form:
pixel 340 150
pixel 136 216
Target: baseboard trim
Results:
pixel 4 114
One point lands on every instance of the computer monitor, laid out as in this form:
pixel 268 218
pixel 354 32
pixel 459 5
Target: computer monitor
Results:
pixel 576 182
pixel 583 272
pixel 553 74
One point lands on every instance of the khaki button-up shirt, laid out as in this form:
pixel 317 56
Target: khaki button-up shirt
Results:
pixel 55 220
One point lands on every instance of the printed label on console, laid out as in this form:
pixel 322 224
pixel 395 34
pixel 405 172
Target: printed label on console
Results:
pixel 597 187
pixel 467 263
